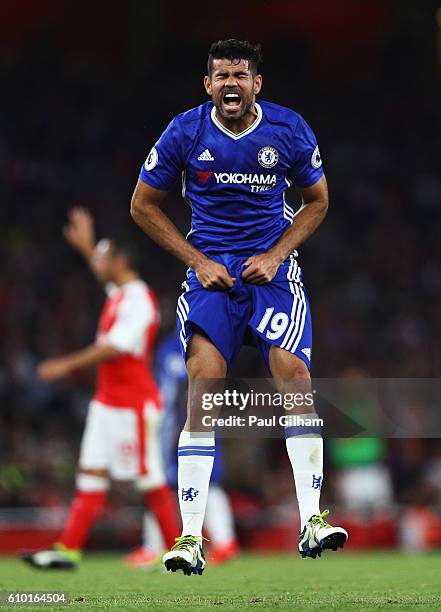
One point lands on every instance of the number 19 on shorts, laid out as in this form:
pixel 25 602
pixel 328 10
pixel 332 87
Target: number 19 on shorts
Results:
pixel 275 324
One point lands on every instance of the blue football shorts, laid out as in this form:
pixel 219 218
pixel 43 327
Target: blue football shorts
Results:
pixel 275 313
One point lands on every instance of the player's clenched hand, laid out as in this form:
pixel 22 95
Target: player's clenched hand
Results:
pixel 213 275
pixel 80 231
pixel 52 369
pixel 260 269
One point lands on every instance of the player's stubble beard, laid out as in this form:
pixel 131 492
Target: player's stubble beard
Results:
pixel 248 108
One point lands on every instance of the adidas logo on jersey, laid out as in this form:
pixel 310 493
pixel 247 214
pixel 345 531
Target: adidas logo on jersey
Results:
pixel 206 156
pixel 307 352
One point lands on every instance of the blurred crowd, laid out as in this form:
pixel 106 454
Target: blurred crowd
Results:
pixel 75 130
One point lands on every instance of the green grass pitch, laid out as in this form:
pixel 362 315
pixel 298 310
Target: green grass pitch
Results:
pixel 343 580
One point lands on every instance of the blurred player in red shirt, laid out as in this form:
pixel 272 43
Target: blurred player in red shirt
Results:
pixel 120 440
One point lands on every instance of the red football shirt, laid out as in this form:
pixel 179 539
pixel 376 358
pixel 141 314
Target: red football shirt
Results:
pixel 129 322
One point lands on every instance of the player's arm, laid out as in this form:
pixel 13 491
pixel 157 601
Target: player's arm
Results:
pixel 146 212
pixel 262 268
pixel 80 234
pixel 59 367
pixel 306 220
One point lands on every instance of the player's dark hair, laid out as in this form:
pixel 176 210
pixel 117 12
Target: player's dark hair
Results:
pixel 233 49
pixel 126 248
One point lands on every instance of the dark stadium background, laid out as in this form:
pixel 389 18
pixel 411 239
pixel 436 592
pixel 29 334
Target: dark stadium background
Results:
pixel 86 88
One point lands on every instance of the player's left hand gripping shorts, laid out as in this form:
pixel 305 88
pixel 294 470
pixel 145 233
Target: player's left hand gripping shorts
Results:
pixel 276 313
pixel 124 441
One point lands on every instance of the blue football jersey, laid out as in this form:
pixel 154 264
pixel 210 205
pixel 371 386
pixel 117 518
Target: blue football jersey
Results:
pixel 235 183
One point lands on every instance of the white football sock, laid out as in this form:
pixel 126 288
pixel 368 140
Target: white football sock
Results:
pixel 195 462
pixel 305 452
pixel 219 521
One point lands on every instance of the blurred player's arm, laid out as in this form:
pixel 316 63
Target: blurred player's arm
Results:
pixel 80 234
pixel 146 212
pixel 132 318
pixel 262 268
pixel 58 367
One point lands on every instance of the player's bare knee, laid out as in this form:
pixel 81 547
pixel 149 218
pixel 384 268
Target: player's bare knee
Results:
pixel 203 359
pixel 286 366
pixel 300 371
pixel 198 368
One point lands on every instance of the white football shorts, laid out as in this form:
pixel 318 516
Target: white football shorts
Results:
pixel 125 442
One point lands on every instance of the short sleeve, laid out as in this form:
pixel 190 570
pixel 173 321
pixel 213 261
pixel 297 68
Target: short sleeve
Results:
pixel 133 317
pixel 306 161
pixel 165 162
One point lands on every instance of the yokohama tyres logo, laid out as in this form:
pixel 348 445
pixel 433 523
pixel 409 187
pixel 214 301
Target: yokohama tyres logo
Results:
pixel 257 182
pixel 237 178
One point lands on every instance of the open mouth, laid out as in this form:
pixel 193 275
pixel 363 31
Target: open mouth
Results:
pixel 231 101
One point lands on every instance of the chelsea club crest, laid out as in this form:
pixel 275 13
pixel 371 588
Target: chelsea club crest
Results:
pixel 268 157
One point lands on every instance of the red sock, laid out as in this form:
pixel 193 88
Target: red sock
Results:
pixel 162 503
pixel 85 509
